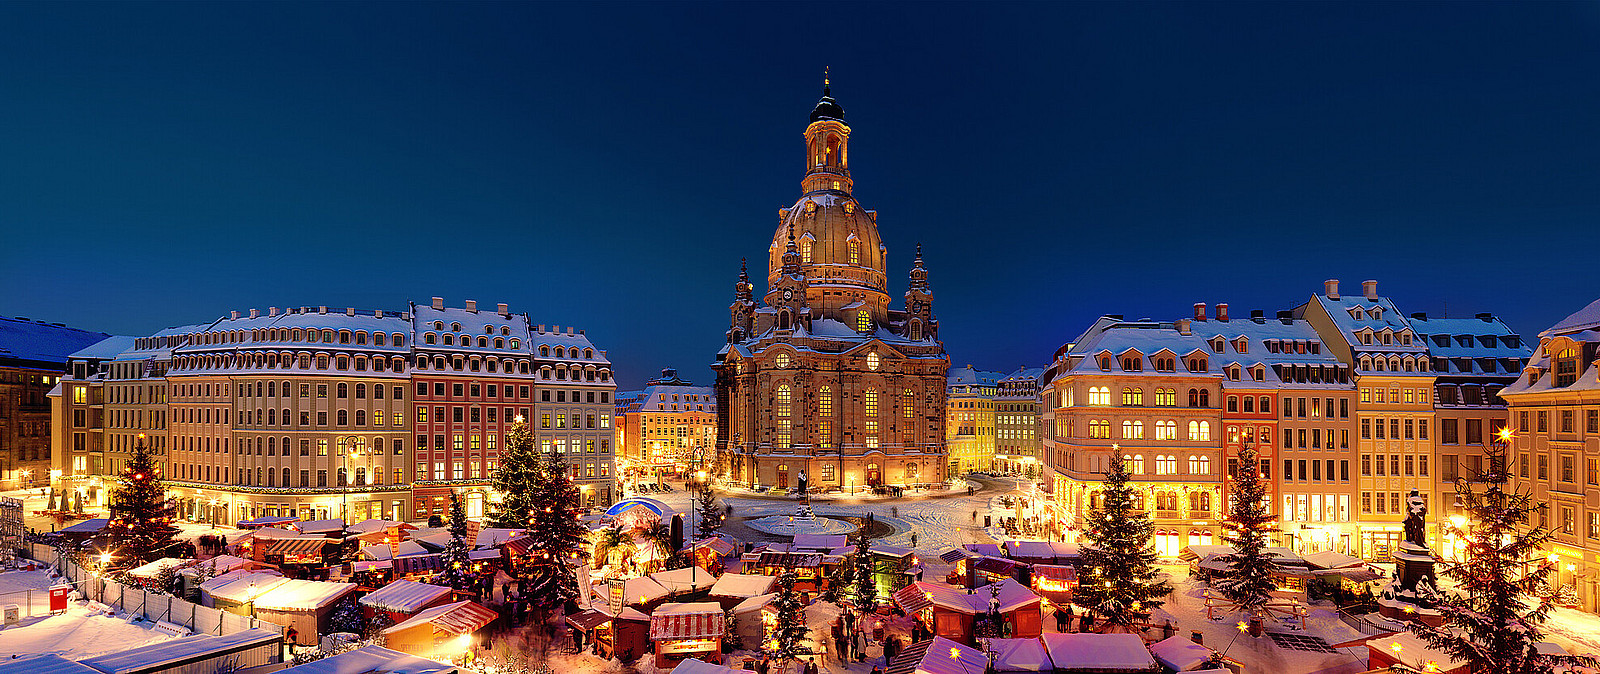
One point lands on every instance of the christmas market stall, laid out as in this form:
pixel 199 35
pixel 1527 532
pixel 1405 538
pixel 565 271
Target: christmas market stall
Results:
pixel 1409 650
pixel 811 569
pixel 686 582
pixel 1178 653
pixel 1055 582
pixel 951 612
pixel 625 636
pixel 711 553
pixel 417 567
pixel 301 605
pixel 754 616
pixel 149 572
pixel 733 588
pixel 1088 652
pixel 689 630
pixel 372 660
pixel 402 599
pixel 1020 655
pixel 235 591
pixel 198 654
pixel 443 632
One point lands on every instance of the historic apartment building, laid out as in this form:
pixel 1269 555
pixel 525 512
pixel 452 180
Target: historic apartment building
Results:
pixel 1555 447
pixel 824 376
pixel 669 426
pixel 969 419
pixel 1016 422
pixel 33 356
pixel 319 413
pixel 1343 399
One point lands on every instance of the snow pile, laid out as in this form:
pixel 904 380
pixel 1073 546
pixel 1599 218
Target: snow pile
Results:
pixel 76 635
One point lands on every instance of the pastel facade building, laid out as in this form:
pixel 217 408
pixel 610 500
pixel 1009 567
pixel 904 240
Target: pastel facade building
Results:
pixel 970 419
pixel 1554 410
pixel 317 413
pixel 1016 422
pixel 33 357
pixel 668 426
pixel 824 376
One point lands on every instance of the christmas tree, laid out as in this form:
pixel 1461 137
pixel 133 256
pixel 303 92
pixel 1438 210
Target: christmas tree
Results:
pixel 557 531
pixel 516 478
pixel 140 512
pixel 457 571
pixel 1247 583
pixel 1492 618
pixel 789 628
pixel 709 519
pixel 347 617
pixel 866 577
pixel 1121 583
pixel 991 625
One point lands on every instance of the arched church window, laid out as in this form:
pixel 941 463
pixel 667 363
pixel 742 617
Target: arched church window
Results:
pixel 855 252
pixel 863 322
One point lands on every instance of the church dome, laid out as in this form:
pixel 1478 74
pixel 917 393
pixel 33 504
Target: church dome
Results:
pixel 827 108
pixel 837 241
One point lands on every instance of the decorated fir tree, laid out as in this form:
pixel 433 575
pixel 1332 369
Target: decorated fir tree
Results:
pixel 557 531
pixel 709 518
pixel 346 617
pixel 140 525
pixel 1247 582
pixel 516 478
pixel 991 624
pixel 457 570
pixel 1121 583
pixel 789 626
pixel 866 578
pixel 1492 619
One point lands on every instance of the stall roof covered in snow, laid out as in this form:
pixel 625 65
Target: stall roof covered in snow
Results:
pixel 1020 655
pixel 686 580
pixel 696 666
pixel 1179 653
pixel 302 595
pixel 381 551
pixel 1089 652
pixel 221 564
pixel 372 660
pixel 154 568
pixel 693 620
pixel 48 663
pixel 921 594
pixel 491 538
pixel 939 656
pixel 377 526
pixel 642 590
pixel 460 617
pixel 88 526
pixel 1330 559
pixel 236 586
pixel 404 596
pixel 742 585
pixel 175 652
pixel 321 526
pixel 754 603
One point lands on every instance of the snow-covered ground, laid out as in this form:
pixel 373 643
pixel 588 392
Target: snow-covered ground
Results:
pixel 1576 631
pixel 75 634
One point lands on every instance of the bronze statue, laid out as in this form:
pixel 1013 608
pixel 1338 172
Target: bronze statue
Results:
pixel 1416 525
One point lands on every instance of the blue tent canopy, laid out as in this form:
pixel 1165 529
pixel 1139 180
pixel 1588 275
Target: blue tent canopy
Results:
pixel 661 510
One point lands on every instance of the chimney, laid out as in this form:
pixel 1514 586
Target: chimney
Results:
pixel 541 328
pixel 1370 289
pixel 405 315
pixel 1286 316
pixel 438 304
pixel 234 314
pixel 349 311
pixel 1330 288
pixel 272 311
pixel 502 309
pixel 1200 311
pixel 472 306
pixel 1258 315
pixel 1183 326
pixel 1222 312
pixel 581 332
pixel 322 309
pixel 1420 316
pixel 255 313
pixel 377 313
pixel 1487 318
pixel 569 329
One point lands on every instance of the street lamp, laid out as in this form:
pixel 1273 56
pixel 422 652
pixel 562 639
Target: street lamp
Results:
pixel 357 446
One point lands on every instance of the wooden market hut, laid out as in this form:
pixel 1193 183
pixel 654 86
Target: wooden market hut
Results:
pixel 1092 653
pixel 402 599
pixel 939 656
pixel 301 605
pixel 442 632
pixel 951 612
pixel 733 588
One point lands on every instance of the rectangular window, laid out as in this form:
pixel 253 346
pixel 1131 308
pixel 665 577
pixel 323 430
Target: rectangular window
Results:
pixel 1288 469
pixel 1302 466
pixel 1316 471
pixel 1344 408
pixel 1544 467
pixel 1410 464
pixel 1366 465
pixel 1366 429
pixel 1447 432
pixel 1394 429
pixel 1344 470
pixel 456 442
pixel 1592 471
pixel 1544 421
pixel 1394 502
pixel 1568 471
pixel 322 478
pixel 1593 421
pixel 322 447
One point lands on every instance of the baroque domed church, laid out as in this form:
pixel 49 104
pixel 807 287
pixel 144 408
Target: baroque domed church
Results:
pixel 823 377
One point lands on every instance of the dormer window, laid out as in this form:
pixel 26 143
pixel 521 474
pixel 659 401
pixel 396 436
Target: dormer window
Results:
pixel 1132 364
pixel 1196 364
pixel 1566 367
pixel 1366 337
pixel 1105 363
pixel 1242 345
pixel 1233 373
pixel 1258 373
pixel 1216 344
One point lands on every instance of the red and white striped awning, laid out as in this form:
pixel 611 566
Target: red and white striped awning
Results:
pixel 301 546
pixel 698 620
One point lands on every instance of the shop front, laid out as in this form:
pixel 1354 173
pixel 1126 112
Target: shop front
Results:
pixel 687 630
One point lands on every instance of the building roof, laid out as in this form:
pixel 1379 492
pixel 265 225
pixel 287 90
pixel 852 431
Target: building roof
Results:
pixel 404 596
pixel 1180 654
pixel 693 620
pixel 372 660
pixel 460 617
pixel 28 342
pixel 178 651
pixel 1583 319
pixel 302 595
pixel 939 656
pixel 742 585
pixel 1090 652
pixel 48 663
pixel 970 375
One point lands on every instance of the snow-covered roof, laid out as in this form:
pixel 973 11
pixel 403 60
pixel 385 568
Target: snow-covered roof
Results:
pixel 371 660
pixel 48 663
pixel 939 656
pixel 742 585
pixel 404 596
pixel 753 603
pixel 685 580
pixel 1582 319
pixel 237 586
pixel 1179 654
pixel 1020 655
pixel 642 590
pixel 179 651
pixel 376 526
pixel 221 564
pixel 491 538
pixel 302 595
pixel 321 526
pixel 1013 595
pixel 153 569
pixel 1329 559
pixel 820 541
pixel 971 375
pixel 668 397
pixel 381 551
pixel 1414 650
pixel 87 526
pixel 460 617
pixel 690 620
pixel 30 341
pixel 1090 652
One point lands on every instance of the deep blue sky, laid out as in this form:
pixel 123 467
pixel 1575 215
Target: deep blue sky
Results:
pixel 606 166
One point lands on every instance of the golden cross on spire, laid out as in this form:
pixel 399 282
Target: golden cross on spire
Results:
pixel 824 75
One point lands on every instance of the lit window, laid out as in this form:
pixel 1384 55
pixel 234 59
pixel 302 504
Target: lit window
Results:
pixel 872 359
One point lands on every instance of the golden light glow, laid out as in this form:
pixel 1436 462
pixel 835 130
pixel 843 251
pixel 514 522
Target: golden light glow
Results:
pixel 1505 434
pixel 955 653
pixel 1395 646
pixel 1243 627
pixel 105 558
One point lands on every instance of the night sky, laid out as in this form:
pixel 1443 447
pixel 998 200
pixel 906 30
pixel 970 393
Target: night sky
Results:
pixel 606 166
